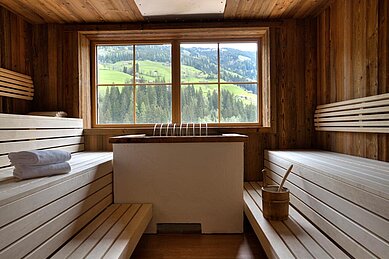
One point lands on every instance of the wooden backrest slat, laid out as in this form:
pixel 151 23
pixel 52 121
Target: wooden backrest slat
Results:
pixel 368 114
pixel 20 75
pixel 29 132
pixel 16 85
pixel 356 100
pixel 12 121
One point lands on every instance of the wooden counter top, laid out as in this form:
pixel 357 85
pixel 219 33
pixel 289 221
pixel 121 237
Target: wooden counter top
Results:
pixel 142 138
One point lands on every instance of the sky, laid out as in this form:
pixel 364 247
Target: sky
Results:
pixel 252 46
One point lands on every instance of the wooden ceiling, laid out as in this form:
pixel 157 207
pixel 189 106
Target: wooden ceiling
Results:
pixel 93 11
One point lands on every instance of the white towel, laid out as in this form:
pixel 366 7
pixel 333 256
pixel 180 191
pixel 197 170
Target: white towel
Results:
pixel 33 171
pixel 39 157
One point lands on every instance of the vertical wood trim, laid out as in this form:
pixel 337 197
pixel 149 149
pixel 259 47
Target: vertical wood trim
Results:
pixel 84 66
pixel 176 82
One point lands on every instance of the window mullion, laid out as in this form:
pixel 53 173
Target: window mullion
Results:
pixel 134 82
pixel 218 83
pixel 176 81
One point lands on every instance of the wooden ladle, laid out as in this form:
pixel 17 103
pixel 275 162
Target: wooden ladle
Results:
pixel 284 179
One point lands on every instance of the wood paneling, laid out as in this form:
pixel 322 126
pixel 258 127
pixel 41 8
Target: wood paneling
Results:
pixel 93 11
pixel 352 63
pixel 15 55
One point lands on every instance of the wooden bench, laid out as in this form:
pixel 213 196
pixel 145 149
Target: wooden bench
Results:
pixel 38 216
pixel 339 206
pixel 367 114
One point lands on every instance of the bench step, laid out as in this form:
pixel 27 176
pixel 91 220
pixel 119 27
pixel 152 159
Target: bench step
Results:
pixel 295 237
pixel 113 234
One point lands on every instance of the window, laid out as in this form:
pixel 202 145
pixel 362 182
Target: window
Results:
pixel 184 79
pixel 219 82
pixel 133 84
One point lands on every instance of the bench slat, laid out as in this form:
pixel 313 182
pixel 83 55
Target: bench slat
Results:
pixel 25 205
pixel 349 209
pixel 304 234
pixel 56 241
pixel 123 246
pixel 270 240
pixel 22 247
pixel 109 238
pixel 23 226
pixel 94 239
pixel 89 163
pixel 79 239
pixel 337 185
pixel 326 190
pixel 359 235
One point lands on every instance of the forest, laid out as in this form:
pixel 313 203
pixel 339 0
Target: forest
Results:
pixel 151 87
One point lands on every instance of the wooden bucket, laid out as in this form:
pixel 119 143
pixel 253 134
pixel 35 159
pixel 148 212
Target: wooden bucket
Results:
pixel 275 205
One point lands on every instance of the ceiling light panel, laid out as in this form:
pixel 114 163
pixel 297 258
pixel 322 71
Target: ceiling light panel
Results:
pixel 180 7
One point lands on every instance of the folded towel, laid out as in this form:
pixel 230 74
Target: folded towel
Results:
pixel 39 157
pixel 33 171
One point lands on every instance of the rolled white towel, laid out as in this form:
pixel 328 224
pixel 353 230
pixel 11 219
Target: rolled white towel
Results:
pixel 33 171
pixel 39 157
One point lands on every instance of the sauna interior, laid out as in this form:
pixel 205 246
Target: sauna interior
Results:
pixel 178 113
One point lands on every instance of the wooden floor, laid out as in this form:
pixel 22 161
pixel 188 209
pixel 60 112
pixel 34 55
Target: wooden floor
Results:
pixel 177 246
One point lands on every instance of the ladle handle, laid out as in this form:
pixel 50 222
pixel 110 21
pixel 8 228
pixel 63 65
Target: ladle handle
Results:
pixel 284 179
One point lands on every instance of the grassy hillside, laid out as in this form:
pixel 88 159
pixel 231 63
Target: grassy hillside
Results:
pixel 151 71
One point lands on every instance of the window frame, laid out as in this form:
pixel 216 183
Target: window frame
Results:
pixel 215 35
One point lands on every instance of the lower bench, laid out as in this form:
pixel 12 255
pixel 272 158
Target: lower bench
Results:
pixel 295 237
pixel 113 234
pixel 336 200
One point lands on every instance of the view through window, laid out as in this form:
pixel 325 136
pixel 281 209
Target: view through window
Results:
pixel 219 83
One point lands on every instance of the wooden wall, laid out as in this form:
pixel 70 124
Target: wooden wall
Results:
pixel 353 56
pixel 15 54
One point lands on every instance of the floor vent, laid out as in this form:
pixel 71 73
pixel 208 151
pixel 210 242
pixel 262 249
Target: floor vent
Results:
pixel 178 228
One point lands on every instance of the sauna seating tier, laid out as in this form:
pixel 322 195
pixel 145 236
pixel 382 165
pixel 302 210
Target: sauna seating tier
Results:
pixel 38 216
pixel 336 201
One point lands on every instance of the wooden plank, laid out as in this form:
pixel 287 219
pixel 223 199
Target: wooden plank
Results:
pixel 15 81
pixel 326 226
pixel 17 229
pixel 20 75
pixel 365 218
pixel 130 236
pixel 11 135
pixel 12 121
pixel 29 98
pixel 109 238
pixel 361 235
pixel 99 233
pixel 317 244
pixel 364 182
pixel 356 129
pixel 29 242
pixel 15 91
pixel 15 189
pixel 383 109
pixel 15 210
pixel 356 100
pixel 7 147
pixel 363 124
pixel 344 189
pixel 79 239
pixel 56 241
pixel 354 118
pixel 270 240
